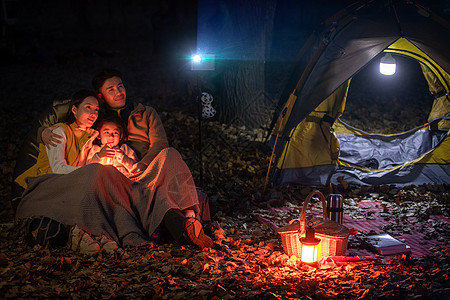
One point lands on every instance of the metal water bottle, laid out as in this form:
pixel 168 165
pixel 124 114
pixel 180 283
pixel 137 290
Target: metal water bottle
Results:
pixel 335 207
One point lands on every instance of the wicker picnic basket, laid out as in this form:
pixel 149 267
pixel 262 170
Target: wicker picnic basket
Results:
pixel 333 236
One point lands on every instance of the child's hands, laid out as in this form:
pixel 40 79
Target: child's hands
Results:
pixel 119 154
pixel 106 151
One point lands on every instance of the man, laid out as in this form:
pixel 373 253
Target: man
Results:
pixel 146 136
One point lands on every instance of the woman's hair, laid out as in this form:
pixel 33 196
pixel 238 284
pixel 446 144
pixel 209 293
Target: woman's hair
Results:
pixel 76 99
pixel 100 78
pixel 114 120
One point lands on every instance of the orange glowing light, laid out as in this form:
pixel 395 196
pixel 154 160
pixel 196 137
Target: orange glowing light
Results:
pixel 310 246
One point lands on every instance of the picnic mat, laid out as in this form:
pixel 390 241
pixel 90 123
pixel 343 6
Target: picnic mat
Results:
pixel 415 238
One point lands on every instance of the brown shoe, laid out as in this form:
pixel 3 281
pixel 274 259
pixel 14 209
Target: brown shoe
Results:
pixel 193 232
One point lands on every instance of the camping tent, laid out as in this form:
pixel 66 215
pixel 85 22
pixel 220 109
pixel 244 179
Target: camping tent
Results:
pixel 313 146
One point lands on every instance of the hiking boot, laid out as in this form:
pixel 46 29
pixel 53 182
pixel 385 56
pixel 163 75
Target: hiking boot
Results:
pixel 82 241
pixel 208 228
pixel 108 244
pixel 43 231
pixel 193 232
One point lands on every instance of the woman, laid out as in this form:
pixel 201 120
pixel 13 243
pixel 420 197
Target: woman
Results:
pixel 77 138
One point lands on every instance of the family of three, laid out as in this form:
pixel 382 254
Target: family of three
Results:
pixel 106 176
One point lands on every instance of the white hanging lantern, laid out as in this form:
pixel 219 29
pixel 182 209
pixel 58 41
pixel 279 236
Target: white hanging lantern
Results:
pixel 387 65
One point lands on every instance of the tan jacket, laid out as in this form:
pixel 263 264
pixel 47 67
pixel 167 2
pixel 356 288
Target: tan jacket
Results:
pixel 146 134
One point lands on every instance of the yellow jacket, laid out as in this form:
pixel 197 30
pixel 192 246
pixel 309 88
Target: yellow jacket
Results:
pixel 76 148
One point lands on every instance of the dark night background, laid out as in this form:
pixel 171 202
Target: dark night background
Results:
pixel 51 48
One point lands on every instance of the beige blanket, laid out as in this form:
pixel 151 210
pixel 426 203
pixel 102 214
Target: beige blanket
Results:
pixel 100 200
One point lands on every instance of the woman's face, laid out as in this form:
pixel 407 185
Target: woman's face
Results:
pixel 110 134
pixel 86 113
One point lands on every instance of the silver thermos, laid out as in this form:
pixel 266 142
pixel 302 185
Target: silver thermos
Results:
pixel 335 207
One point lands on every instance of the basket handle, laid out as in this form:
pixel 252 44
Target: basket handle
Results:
pixel 305 205
pixel 302 217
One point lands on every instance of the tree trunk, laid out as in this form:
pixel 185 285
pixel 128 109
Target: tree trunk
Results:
pixel 245 35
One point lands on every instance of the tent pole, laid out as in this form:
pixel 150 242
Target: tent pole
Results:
pixel 283 114
pixel 200 150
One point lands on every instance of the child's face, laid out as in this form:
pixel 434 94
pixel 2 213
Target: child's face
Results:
pixel 110 134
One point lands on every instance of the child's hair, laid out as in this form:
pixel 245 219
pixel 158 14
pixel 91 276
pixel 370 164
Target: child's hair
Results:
pixel 115 120
pixel 76 99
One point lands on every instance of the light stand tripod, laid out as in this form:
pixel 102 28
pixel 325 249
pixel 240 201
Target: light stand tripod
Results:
pixel 201 63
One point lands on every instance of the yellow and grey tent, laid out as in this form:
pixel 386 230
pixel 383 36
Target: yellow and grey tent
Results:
pixel 313 146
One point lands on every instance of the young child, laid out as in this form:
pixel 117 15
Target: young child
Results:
pixel 110 147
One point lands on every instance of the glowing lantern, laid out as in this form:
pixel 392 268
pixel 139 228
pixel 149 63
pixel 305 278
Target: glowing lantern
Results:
pixel 310 246
pixel 387 65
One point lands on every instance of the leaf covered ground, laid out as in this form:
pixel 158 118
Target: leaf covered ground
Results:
pixel 247 260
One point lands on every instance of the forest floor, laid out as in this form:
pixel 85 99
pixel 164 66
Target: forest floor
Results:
pixel 248 259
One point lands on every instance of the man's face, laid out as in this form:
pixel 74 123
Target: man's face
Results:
pixel 114 93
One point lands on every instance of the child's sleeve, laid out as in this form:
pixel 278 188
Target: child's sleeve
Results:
pixel 130 159
pixel 93 156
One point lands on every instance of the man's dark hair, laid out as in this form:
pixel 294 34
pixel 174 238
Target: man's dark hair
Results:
pixel 76 99
pixel 100 78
